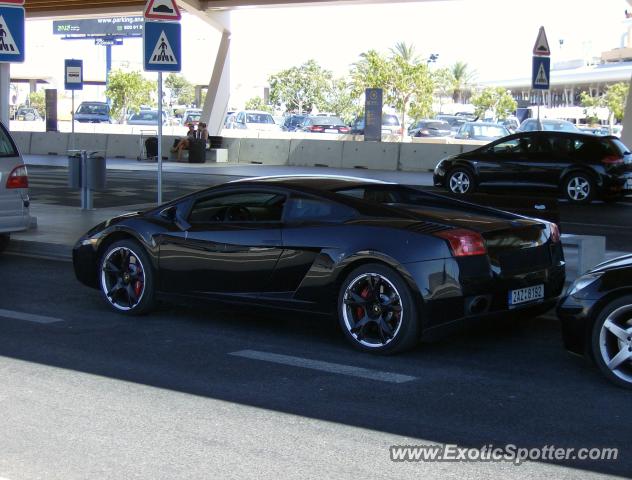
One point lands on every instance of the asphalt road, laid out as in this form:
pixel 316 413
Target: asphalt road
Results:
pixel 87 393
pixel 125 188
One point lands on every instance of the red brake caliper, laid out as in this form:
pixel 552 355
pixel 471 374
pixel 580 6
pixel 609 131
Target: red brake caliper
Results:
pixel 138 285
pixel 363 294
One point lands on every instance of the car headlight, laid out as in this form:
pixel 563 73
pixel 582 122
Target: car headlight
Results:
pixel 583 282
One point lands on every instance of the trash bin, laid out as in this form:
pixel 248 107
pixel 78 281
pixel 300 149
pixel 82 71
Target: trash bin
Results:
pixel 74 169
pixel 197 151
pixel 97 171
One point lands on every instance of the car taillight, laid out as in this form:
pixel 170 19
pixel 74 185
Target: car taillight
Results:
pixel 18 178
pixel 555 232
pixel 612 160
pixel 343 129
pixel 316 128
pixel 464 243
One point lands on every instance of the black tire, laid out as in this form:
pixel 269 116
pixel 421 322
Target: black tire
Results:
pixel 605 343
pixel 4 241
pixel 578 188
pixel 461 181
pixel 400 328
pixel 121 267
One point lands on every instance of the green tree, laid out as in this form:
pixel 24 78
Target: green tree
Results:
pixel 182 91
pixel 299 88
pixel 127 92
pixel 463 78
pixel 496 99
pixel 590 105
pixel 341 100
pixel 614 100
pixel 444 83
pixel 258 103
pixel 37 100
pixel 405 83
pixel 407 52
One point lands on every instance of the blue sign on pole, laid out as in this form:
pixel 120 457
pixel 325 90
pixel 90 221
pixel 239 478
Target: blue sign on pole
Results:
pixel 373 115
pixel 73 80
pixel 541 74
pixel 11 34
pixel 162 45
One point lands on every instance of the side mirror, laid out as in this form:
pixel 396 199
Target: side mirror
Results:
pixel 172 215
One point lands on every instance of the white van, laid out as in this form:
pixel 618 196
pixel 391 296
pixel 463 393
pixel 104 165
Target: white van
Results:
pixel 14 189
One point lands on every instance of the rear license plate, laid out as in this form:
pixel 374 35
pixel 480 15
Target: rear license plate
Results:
pixel 525 295
pixel 331 130
pixel 628 184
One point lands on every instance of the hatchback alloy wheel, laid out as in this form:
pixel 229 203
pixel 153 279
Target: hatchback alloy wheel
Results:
pixel 615 343
pixel 579 189
pixel 460 182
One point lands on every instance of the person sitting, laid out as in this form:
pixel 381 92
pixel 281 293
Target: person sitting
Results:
pixel 184 143
pixel 202 132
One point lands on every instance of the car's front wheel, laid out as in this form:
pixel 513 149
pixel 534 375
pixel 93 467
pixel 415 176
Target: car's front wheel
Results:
pixel 126 278
pixel 4 241
pixel 579 188
pixel 612 341
pixel 376 310
pixel 461 181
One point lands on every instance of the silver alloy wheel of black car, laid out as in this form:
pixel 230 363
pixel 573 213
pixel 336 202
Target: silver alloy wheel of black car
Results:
pixel 460 182
pixel 578 188
pixel 615 343
pixel 126 282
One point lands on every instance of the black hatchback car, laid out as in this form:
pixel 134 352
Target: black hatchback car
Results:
pixel 596 315
pixel 581 166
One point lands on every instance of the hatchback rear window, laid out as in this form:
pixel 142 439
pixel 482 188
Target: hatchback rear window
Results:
pixel 7 147
pixel 326 121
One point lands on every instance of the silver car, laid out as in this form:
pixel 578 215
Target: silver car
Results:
pixel 14 189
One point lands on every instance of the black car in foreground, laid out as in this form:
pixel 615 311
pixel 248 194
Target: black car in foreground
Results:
pixel 581 166
pixel 392 262
pixel 596 315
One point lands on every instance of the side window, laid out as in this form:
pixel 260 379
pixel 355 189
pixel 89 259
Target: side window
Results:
pixel 7 149
pixel 238 207
pixel 510 146
pixel 307 209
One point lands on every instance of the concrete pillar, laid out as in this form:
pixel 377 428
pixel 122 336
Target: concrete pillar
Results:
pixel 626 137
pixel 5 92
pixel 218 94
pixel 32 85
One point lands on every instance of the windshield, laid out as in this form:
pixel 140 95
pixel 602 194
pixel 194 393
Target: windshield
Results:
pixel 489 131
pixel 93 109
pixel 259 118
pixel 145 115
pixel 390 120
pixel 435 125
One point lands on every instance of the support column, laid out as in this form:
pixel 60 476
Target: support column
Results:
pixel 626 137
pixel 5 92
pixel 32 85
pixel 218 94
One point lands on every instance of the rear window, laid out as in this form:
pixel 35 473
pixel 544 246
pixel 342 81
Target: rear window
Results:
pixel 489 131
pixel 326 121
pixel 93 109
pixel 617 147
pixel 259 118
pixel 7 147
pixel 559 127
pixel 145 115
pixel 435 125
pixel 390 120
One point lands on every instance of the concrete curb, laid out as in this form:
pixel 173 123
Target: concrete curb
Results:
pixel 49 251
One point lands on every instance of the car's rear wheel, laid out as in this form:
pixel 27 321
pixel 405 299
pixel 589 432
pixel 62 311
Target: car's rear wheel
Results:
pixel 376 310
pixel 461 182
pixel 612 341
pixel 4 241
pixel 579 188
pixel 126 278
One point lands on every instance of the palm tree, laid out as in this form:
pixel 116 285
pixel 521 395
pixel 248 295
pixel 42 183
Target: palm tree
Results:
pixel 407 52
pixel 462 80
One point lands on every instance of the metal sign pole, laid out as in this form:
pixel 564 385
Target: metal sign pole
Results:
pixel 72 121
pixel 159 137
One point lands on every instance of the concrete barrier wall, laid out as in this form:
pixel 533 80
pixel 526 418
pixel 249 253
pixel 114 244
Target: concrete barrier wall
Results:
pixel 378 156
pixel 45 143
pixel 264 151
pixel 311 153
pixel 337 151
pixel 22 141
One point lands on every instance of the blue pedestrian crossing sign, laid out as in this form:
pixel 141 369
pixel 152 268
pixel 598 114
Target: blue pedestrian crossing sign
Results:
pixel 11 34
pixel 541 74
pixel 162 45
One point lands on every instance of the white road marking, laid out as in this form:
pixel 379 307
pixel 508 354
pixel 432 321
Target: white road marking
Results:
pixel 325 366
pixel 28 317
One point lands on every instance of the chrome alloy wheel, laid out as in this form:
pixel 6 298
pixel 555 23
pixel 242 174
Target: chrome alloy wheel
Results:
pixel 123 278
pixel 460 182
pixel 578 189
pixel 615 343
pixel 372 310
